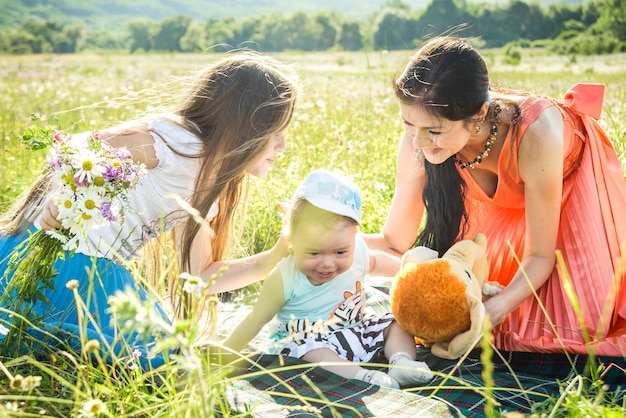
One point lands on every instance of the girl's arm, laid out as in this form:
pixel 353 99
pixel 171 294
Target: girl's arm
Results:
pixel 541 169
pixel 234 274
pixel 270 300
pixel 139 144
pixel 405 214
pixel 231 274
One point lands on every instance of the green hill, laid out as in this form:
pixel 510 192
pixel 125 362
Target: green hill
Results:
pixel 114 14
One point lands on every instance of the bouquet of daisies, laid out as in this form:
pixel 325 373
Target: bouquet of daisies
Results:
pixel 93 180
pixel 89 185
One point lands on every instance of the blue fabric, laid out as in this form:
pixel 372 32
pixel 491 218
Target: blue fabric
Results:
pixel 60 328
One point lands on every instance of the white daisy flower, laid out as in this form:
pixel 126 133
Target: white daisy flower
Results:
pixel 87 214
pixel 193 284
pixel 93 408
pixel 66 202
pixel 89 164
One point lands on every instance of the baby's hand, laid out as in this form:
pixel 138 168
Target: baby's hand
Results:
pixel 48 219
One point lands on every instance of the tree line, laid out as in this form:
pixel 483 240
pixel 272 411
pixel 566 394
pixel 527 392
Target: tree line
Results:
pixel 596 26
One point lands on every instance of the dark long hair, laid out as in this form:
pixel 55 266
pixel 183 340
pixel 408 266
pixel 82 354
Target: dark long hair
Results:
pixel 448 79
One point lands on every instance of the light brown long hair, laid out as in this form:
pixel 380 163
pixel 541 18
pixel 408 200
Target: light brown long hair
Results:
pixel 235 106
pixel 25 208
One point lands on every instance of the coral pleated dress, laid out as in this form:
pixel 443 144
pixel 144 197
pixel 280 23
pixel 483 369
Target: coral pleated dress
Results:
pixel 591 236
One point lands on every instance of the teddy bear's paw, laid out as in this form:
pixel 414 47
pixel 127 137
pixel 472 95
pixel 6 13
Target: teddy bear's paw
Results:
pixel 377 377
pixel 491 288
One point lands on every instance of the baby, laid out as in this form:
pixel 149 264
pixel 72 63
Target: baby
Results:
pixel 317 294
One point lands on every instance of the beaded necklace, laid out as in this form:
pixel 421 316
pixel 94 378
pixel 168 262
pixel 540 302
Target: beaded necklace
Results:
pixel 493 135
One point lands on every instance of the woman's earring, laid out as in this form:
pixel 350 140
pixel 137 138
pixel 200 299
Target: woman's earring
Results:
pixel 477 129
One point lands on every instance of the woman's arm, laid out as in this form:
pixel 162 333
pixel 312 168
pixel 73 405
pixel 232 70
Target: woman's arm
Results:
pixel 541 169
pixel 405 214
pixel 384 264
pixel 270 300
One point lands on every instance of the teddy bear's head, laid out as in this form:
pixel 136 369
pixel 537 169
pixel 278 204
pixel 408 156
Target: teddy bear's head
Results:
pixel 439 300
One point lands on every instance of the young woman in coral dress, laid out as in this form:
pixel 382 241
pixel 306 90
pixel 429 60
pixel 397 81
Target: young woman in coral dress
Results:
pixel 537 176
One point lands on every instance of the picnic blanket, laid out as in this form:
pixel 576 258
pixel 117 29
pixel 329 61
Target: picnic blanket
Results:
pixel 519 380
pixel 286 387
pixel 275 386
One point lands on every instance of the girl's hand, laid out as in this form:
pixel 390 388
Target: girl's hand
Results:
pixel 48 219
pixel 281 249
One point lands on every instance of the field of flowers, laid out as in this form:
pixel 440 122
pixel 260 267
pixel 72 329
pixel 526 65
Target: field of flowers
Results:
pixel 346 119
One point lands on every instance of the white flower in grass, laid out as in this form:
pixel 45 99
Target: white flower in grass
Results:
pixel 25 384
pixel 89 164
pixel 93 408
pixel 11 406
pixel 193 284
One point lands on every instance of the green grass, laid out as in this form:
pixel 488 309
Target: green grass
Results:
pixel 347 119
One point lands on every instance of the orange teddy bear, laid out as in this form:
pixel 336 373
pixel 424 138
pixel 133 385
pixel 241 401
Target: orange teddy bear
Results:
pixel 440 300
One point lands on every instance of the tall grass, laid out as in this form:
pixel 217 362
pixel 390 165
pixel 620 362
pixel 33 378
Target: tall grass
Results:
pixel 346 119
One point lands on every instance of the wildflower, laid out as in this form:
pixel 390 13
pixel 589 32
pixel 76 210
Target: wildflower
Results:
pixel 66 201
pixel 55 162
pixel 107 212
pixel 16 382
pixel 193 284
pixel 11 406
pixel 89 164
pixel 132 364
pixel 113 172
pixel 3 330
pixel 72 284
pixel 25 384
pixel 31 382
pixel 93 408
pixel 88 201
pixel 88 213
pixel 98 181
pixel 59 137
pixel 91 346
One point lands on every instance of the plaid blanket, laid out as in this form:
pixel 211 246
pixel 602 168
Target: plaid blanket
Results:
pixel 273 386
pixel 520 380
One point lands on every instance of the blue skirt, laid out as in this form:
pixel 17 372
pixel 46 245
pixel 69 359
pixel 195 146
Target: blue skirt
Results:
pixel 60 327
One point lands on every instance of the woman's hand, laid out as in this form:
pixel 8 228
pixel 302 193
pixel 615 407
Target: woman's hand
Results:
pixel 496 309
pixel 48 219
